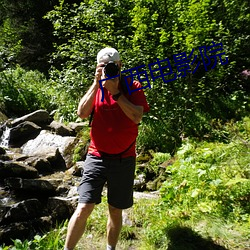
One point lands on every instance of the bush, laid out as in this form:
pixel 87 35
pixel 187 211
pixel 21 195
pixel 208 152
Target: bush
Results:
pixel 212 178
pixel 24 91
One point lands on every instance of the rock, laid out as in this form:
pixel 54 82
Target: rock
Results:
pixel 34 187
pixel 61 129
pixel 2 151
pixel 3 118
pixel 73 192
pixel 44 223
pixel 78 126
pixel 47 141
pixel 140 182
pixel 55 159
pixel 16 169
pixel 60 208
pixel 23 132
pixel 17 230
pixel 23 211
pixel 42 165
pixel 76 170
pixel 39 117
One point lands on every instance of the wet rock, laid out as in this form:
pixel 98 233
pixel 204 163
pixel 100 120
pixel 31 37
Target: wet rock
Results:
pixel 140 182
pixel 47 141
pixel 78 126
pixel 76 170
pixel 23 211
pixel 39 117
pixel 3 118
pixel 2 151
pixel 17 230
pixel 55 158
pixel 61 208
pixel 61 129
pixel 23 132
pixel 16 169
pixel 42 165
pixel 34 187
pixel 44 223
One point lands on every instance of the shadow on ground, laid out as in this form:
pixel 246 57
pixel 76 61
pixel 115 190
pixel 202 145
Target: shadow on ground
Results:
pixel 184 238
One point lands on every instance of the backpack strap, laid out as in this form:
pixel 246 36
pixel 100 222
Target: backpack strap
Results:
pixel 116 156
pixel 91 116
pixel 124 89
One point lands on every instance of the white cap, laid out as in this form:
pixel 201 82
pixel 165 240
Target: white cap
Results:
pixel 108 54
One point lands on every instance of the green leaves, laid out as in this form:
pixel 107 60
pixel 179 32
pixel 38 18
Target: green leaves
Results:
pixel 212 178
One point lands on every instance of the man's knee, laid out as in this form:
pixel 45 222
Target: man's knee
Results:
pixel 83 210
pixel 113 211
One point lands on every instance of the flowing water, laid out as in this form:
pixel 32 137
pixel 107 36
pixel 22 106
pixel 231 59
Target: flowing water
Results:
pixel 4 139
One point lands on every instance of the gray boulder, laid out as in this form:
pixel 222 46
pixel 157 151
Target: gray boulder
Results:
pixel 16 169
pixel 35 187
pixel 39 117
pixel 23 211
pixel 61 129
pixel 48 142
pixel 22 133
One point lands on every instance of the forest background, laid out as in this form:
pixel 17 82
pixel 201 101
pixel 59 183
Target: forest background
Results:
pixel 48 58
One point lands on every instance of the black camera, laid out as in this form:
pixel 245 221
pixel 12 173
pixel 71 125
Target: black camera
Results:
pixel 111 69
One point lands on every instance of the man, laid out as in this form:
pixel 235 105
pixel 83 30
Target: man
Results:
pixel 111 154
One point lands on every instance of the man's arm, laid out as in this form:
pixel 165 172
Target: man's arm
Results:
pixel 86 104
pixel 134 112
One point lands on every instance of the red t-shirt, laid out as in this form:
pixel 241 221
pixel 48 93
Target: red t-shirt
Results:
pixel 112 131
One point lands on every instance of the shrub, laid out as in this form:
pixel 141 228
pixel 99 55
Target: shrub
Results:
pixel 24 91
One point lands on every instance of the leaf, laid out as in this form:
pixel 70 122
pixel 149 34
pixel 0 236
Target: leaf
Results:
pixel 235 181
pixel 195 193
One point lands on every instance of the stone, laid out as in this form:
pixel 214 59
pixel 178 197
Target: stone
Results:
pixel 48 142
pixel 60 208
pixel 61 129
pixel 23 211
pixel 23 132
pixel 78 126
pixel 36 187
pixel 44 223
pixel 140 182
pixel 17 230
pixel 3 118
pixel 2 151
pixel 41 164
pixel 39 117
pixel 16 169
pixel 76 170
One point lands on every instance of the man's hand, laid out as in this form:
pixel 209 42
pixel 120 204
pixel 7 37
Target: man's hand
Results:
pixel 98 72
pixel 112 85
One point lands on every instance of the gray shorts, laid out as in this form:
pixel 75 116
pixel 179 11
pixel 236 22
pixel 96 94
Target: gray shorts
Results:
pixel 118 173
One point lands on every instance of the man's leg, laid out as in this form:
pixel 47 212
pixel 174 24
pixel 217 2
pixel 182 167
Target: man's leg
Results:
pixel 77 224
pixel 114 225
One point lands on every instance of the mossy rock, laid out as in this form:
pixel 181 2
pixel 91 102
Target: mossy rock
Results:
pixel 3 117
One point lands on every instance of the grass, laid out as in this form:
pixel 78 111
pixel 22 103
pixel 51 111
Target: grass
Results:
pixel 204 203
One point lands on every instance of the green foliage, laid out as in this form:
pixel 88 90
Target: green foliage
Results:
pixel 10 44
pixel 26 38
pixel 52 240
pixel 24 91
pixel 204 202
pixel 82 146
pixel 212 178
pixel 142 31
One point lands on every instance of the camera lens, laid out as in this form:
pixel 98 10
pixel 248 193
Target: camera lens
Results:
pixel 111 69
